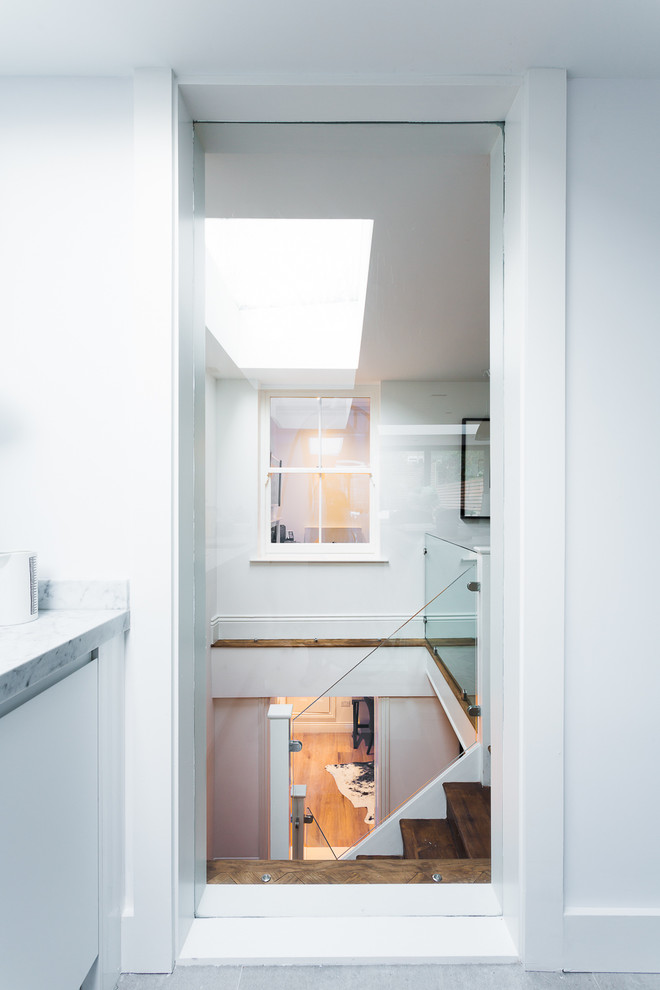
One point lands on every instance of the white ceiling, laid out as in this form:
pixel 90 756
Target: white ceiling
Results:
pixel 294 37
pixel 376 42
pixel 426 187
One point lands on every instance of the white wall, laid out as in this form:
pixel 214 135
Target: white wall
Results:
pixel 86 408
pixel 66 162
pixel 420 744
pixel 376 596
pixel 613 409
pixel 310 671
pixel 67 395
pixel 240 779
pixel 66 263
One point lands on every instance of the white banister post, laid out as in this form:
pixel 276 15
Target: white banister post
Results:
pixel 279 717
pixel 298 798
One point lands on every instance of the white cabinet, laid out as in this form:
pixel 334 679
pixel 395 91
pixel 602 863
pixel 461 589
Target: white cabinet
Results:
pixel 62 803
pixel 49 836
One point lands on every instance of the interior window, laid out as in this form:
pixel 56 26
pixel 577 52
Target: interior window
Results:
pixel 320 475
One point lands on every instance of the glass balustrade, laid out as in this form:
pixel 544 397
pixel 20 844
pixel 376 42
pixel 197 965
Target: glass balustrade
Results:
pixel 450 625
pixel 380 732
pixel 387 735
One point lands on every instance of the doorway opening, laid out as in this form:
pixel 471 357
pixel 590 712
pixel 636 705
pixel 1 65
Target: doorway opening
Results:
pixel 424 352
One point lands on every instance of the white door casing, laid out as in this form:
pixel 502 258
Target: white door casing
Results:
pixel 527 381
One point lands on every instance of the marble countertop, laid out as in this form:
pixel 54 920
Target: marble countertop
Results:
pixel 34 651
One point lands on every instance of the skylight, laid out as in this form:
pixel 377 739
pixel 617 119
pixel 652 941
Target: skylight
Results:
pixel 288 294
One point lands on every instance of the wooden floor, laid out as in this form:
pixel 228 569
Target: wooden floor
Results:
pixel 342 824
pixel 249 644
pixel 242 871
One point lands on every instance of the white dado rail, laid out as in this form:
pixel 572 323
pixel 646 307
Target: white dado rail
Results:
pixel 61 754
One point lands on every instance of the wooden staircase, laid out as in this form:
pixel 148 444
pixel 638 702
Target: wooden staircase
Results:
pixel 428 838
pixel 463 835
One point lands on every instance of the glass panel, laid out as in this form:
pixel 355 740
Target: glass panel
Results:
pixel 338 778
pixel 419 747
pixel 296 518
pixel 345 427
pixel 446 477
pixel 451 612
pixel 377 686
pixel 345 508
pixel 375 737
pixel 317 844
pixel 422 479
pixel 294 431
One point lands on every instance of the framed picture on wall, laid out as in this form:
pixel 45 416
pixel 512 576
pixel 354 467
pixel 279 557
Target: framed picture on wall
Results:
pixel 475 468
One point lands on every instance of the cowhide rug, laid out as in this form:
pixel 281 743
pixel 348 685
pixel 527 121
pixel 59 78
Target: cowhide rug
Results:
pixel 356 782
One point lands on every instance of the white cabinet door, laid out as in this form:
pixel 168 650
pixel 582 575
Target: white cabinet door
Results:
pixel 49 837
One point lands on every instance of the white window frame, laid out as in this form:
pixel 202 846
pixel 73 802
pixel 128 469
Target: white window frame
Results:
pixel 318 551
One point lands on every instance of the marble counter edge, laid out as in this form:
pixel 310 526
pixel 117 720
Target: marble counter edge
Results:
pixel 34 652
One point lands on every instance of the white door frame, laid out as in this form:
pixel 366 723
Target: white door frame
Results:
pixel 528 381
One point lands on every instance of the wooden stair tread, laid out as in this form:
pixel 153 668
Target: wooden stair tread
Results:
pixel 377 856
pixel 468 814
pixel 348 871
pixel 428 838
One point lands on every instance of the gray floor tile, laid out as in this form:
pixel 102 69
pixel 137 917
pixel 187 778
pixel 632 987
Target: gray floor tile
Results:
pixel 141 981
pixel 390 977
pixel 410 977
pixel 342 977
pixel 515 978
pixel 567 981
pixel 627 981
pixel 310 977
pixel 186 978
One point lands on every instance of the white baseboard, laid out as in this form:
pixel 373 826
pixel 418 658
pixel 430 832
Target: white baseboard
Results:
pixel 314 627
pixel 611 941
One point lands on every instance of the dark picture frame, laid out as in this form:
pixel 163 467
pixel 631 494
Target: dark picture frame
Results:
pixel 475 468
